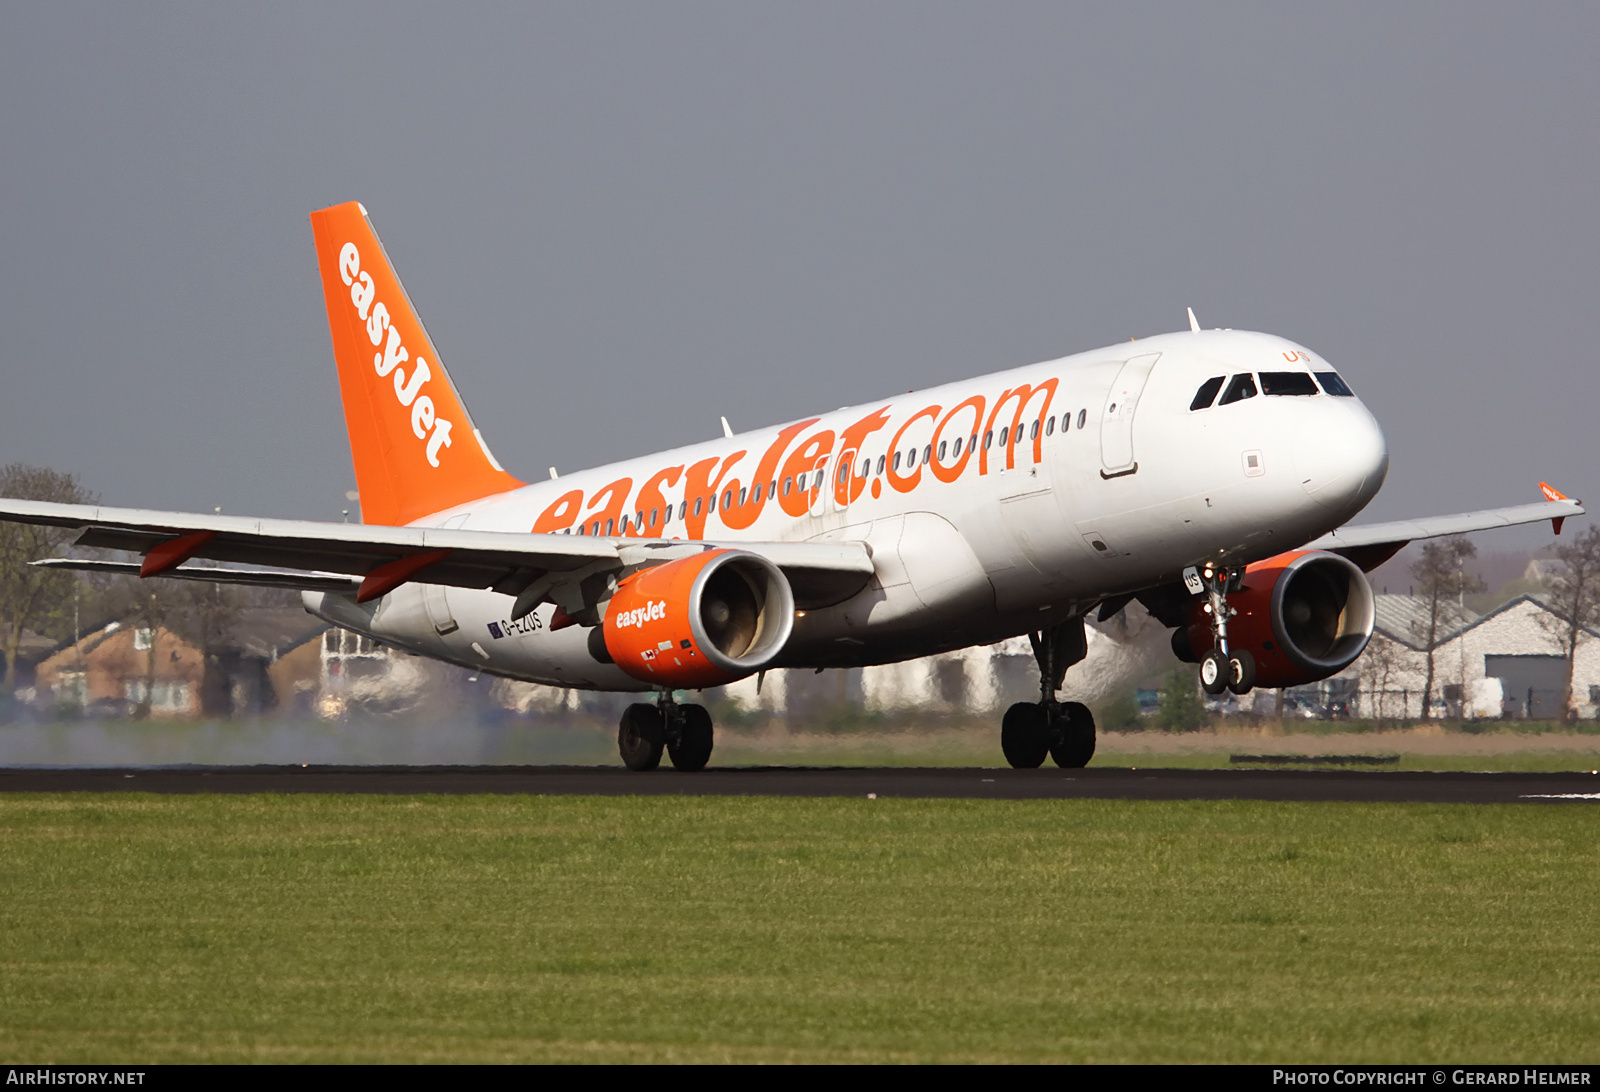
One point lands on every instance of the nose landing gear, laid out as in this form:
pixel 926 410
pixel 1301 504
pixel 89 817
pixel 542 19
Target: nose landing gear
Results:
pixel 684 731
pixel 1223 668
pixel 1062 730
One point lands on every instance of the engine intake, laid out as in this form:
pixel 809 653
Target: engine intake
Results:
pixel 1304 616
pixel 700 621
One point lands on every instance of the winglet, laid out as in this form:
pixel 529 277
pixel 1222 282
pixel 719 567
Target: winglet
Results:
pixel 1194 323
pixel 1551 493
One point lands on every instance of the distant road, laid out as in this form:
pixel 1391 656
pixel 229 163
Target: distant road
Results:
pixel 972 783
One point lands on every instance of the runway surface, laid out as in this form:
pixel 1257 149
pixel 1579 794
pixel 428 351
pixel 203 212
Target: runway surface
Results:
pixel 968 783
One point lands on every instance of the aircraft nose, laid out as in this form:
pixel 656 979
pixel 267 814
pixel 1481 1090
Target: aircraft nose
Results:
pixel 1342 462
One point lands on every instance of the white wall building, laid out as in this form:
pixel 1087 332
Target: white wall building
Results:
pixel 1497 663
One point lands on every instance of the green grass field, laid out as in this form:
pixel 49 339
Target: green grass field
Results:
pixel 323 928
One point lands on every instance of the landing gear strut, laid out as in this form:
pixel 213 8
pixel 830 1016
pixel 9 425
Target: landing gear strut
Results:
pixel 1223 668
pixel 683 730
pixel 1062 730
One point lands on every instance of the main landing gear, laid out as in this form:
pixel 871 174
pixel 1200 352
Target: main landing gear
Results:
pixel 1223 668
pixel 684 730
pixel 1062 730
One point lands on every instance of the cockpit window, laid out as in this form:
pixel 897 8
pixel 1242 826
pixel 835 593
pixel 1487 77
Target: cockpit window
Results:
pixel 1334 385
pixel 1207 393
pixel 1287 383
pixel 1241 387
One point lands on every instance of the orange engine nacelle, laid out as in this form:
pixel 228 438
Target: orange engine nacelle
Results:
pixel 1304 616
pixel 700 621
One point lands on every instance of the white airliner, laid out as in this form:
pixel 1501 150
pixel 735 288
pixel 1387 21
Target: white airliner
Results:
pixel 1209 474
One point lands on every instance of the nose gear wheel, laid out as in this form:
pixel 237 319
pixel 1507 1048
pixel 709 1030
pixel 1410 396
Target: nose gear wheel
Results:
pixel 1223 668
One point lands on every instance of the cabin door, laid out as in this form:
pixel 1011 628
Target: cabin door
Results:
pixel 1116 421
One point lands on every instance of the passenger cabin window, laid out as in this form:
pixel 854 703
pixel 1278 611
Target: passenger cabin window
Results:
pixel 1334 385
pixel 1207 393
pixel 1291 383
pixel 1240 387
pixel 1083 416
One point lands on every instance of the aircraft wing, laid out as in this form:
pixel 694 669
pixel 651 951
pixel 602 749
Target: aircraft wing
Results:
pixel 381 558
pixel 1371 545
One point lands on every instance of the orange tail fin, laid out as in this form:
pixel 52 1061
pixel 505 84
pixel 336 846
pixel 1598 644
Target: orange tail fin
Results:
pixel 415 449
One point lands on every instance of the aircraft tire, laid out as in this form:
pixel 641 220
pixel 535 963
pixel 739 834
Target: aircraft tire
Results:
pixel 1072 736
pixel 1213 673
pixel 1025 735
pixel 640 737
pixel 693 748
pixel 1241 671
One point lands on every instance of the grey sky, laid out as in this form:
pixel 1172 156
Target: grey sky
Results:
pixel 620 221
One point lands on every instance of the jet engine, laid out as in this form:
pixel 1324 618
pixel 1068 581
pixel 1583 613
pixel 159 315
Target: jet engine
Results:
pixel 699 621
pixel 1303 616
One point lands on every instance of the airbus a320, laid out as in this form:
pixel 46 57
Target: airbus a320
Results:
pixel 1208 474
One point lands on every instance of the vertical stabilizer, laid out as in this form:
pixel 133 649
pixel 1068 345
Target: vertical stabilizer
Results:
pixel 414 446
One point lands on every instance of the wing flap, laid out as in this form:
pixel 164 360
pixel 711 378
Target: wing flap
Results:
pixel 257 578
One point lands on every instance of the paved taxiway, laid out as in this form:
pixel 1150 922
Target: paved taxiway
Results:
pixel 972 783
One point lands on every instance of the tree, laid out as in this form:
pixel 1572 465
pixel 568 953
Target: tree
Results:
pixel 1181 708
pixel 1574 603
pixel 1379 663
pixel 1443 582
pixel 29 595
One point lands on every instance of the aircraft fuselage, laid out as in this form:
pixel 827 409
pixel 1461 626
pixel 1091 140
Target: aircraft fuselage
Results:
pixel 993 506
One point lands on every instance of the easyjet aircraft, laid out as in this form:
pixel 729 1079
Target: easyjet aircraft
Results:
pixel 1208 474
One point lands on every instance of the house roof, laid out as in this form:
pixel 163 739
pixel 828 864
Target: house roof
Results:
pixel 1404 618
pixel 272 631
pixel 1398 617
pixel 1530 597
pixel 267 632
